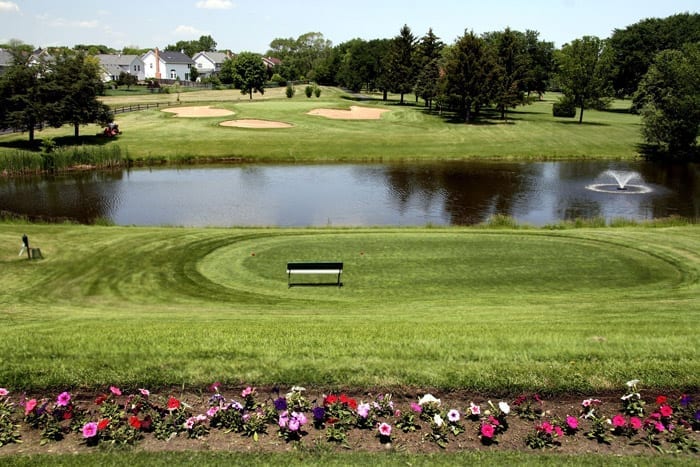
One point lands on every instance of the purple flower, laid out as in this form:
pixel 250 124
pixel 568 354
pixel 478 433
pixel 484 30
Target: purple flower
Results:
pixel 686 400
pixel 293 424
pixel 89 430
pixel 63 399
pixel 697 415
pixel 280 403
pixel 319 413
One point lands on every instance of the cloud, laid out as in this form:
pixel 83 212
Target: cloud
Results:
pixel 64 23
pixel 215 4
pixel 12 7
pixel 183 30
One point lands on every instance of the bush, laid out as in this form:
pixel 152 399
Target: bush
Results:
pixel 290 91
pixel 309 91
pixel 564 108
pixel 317 91
pixel 277 78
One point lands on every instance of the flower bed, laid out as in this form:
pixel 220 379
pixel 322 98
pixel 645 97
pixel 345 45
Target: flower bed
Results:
pixel 118 417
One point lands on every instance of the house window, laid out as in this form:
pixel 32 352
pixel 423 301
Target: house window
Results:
pixel 134 67
pixel 173 74
pixel 151 65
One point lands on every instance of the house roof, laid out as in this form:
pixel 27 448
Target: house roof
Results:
pixel 5 58
pixel 116 60
pixel 169 56
pixel 214 57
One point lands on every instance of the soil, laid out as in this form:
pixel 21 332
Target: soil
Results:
pixel 198 111
pixel 366 440
pixel 355 113
pixel 253 123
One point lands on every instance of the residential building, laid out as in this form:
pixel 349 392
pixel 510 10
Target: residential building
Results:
pixel 167 65
pixel 114 65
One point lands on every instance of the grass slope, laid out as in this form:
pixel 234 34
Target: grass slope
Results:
pixel 484 309
pixel 406 133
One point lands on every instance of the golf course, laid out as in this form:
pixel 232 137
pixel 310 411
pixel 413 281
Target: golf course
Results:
pixel 493 311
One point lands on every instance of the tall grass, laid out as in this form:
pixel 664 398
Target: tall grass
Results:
pixel 20 162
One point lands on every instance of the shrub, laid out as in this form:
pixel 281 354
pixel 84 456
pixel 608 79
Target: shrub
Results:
pixel 317 91
pixel 290 91
pixel 277 78
pixel 564 108
pixel 308 91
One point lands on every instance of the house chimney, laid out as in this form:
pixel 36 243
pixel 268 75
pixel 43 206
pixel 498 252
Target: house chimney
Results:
pixel 157 64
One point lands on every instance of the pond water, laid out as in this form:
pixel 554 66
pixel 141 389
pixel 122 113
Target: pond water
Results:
pixel 459 193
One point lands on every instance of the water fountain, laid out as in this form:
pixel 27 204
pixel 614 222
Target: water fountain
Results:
pixel 622 183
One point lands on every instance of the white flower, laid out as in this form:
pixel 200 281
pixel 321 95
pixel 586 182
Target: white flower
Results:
pixel 427 399
pixel 632 383
pixel 474 409
pixel 505 408
pixel 438 420
pixel 631 395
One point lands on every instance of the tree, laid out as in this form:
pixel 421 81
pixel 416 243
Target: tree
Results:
pixel 127 79
pixel 190 48
pixel 78 78
pixel 468 71
pixel 427 57
pixel 227 74
pixel 512 63
pixel 635 46
pixel 401 72
pixel 585 70
pixel 541 67
pixel 669 101
pixel 250 73
pixel 194 74
pixel 22 94
pixel 301 56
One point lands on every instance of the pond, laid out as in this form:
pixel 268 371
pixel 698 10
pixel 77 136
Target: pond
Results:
pixel 456 193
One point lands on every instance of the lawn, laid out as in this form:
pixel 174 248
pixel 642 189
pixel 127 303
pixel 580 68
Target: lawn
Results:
pixel 407 132
pixel 490 310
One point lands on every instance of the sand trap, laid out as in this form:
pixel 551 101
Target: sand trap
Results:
pixel 252 123
pixel 199 111
pixel 355 113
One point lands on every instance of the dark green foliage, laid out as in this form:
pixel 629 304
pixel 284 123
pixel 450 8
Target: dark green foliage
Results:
pixel 290 91
pixel 427 58
pixel 128 80
pixel 190 48
pixel 401 71
pixel 565 107
pixel 250 73
pixel 308 90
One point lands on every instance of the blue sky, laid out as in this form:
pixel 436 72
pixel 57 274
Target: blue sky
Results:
pixel 250 25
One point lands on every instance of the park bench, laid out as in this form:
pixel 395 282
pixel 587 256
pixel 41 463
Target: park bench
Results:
pixel 314 268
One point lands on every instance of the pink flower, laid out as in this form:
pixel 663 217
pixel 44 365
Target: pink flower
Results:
pixel 3 392
pixel 474 409
pixel 572 422
pixel 89 430
pixel 283 420
pixel 453 415
pixel 559 432
pixel 666 410
pixel 247 392
pixel 363 410
pixel 144 392
pixel 29 406
pixel 487 430
pixel 546 427
pixel 635 423
pixel 63 399
pixel 293 424
pixel 416 407
pixel 301 417
pixel 212 411
pixel 189 423
pixel 385 429
pixel 115 390
pixel 618 421
pixel 659 427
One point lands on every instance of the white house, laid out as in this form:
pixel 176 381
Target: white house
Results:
pixel 114 65
pixel 209 63
pixel 167 65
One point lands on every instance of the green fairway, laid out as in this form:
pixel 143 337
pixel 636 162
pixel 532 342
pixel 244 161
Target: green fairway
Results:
pixel 404 133
pixel 482 309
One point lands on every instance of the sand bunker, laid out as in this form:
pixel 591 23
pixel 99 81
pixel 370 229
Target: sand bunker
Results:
pixel 252 123
pixel 199 111
pixel 355 113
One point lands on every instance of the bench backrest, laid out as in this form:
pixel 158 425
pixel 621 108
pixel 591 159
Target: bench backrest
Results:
pixel 317 266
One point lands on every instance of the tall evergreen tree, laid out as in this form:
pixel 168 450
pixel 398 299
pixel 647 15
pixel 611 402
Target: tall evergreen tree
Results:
pixel 401 72
pixel 427 58
pixel 512 63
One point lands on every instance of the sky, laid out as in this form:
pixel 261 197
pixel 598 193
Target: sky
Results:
pixel 250 25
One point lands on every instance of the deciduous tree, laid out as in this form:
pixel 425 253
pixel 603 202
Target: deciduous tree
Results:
pixel 250 73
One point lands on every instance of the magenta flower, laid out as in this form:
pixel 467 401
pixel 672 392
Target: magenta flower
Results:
pixel 559 432
pixel 572 422
pixel 3 392
pixel 29 406
pixel 487 430
pixel 546 427
pixel 618 421
pixel 385 429
pixel 666 410
pixel 416 407
pixel 659 427
pixel 115 390
pixel 63 399
pixel 89 430
pixel 453 415
pixel 144 392
pixel 635 423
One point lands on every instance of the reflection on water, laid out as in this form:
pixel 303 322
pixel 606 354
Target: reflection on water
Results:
pixel 461 193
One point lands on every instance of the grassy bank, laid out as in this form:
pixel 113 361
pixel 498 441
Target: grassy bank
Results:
pixel 492 310
pixel 405 133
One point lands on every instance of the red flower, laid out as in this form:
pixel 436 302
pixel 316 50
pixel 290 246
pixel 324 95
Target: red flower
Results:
pixel 102 424
pixel 173 403
pixel 330 399
pixel 100 399
pixel 135 422
pixel 666 410
pixel 661 400
pixel 68 414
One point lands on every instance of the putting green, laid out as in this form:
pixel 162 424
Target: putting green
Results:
pixel 418 266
